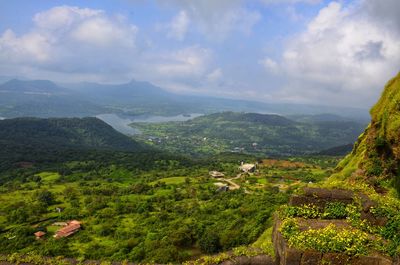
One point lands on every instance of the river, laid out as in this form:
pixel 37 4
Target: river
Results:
pixel 121 123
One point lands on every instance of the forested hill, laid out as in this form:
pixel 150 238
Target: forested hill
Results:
pixel 264 119
pixel 89 133
pixel 33 139
pixel 249 133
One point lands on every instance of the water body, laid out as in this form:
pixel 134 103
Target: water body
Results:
pixel 121 123
pixel 2 118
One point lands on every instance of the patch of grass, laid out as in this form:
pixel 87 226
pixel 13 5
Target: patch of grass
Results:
pixel 264 242
pixel 171 180
pixel 49 177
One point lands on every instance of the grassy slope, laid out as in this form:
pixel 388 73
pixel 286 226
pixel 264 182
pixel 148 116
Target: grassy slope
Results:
pixel 376 154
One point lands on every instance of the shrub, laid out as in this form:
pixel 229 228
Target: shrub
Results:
pixel 209 242
pixel 335 210
pixel 332 239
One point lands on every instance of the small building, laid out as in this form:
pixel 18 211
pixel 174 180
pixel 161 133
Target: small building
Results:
pixel 216 174
pixel 72 227
pixel 247 167
pixel 39 234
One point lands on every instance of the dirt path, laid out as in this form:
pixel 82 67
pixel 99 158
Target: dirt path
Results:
pixel 232 185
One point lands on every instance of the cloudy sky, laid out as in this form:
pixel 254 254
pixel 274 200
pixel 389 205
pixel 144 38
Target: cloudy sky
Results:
pixel 304 51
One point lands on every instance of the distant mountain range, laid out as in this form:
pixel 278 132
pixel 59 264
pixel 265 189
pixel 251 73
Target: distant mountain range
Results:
pixel 43 98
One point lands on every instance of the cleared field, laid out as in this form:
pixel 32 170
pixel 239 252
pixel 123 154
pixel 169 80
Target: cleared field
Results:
pixel 171 180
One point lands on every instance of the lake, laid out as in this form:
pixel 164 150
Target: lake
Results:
pixel 121 123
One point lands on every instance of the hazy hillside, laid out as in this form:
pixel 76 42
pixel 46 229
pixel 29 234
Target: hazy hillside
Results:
pixel 29 139
pixel 249 132
pixel 138 97
pixel 43 98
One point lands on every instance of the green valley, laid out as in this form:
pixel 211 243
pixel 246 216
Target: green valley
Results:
pixel 260 134
pixel 133 202
pixel 200 132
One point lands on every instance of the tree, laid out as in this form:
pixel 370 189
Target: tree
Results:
pixel 45 197
pixel 209 242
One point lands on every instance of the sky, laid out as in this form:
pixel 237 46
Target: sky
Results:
pixel 338 53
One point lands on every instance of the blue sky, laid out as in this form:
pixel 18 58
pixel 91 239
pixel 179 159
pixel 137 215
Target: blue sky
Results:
pixel 302 51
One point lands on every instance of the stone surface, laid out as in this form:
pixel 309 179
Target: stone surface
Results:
pixel 256 260
pixel 311 257
pixel 317 192
pixel 335 259
pixel 345 195
pixel 291 257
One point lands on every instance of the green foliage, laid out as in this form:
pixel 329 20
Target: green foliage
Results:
pixel 237 132
pixel 209 242
pixel 331 239
pixel 160 209
pixel 335 210
pixel 306 211
pixel 289 228
pixel 332 210
pixel 46 197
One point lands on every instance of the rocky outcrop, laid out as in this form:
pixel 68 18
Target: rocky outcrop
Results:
pixel 285 255
pixel 256 260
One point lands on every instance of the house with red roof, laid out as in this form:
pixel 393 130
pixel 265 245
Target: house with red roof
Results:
pixel 72 227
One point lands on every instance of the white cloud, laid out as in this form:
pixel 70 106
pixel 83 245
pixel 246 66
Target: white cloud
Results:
pixel 269 65
pixel 71 39
pixel 63 16
pixel 182 69
pixel 215 75
pixel 70 43
pixel 269 2
pixel 188 62
pixel 179 25
pixel 343 57
pixel 32 47
pixel 217 19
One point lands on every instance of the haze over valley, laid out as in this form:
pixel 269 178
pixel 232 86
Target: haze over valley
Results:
pixel 200 132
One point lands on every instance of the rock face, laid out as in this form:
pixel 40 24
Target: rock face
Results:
pixel 320 197
pixel 256 260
